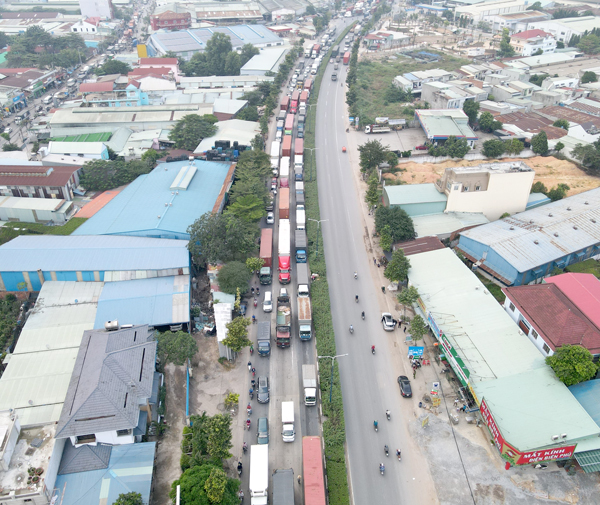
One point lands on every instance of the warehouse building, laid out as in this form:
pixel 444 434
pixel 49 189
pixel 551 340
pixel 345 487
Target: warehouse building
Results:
pixel 163 203
pixel 526 247
pixel 35 210
pixel 36 181
pixel 440 124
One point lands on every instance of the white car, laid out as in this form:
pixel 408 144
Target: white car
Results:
pixel 388 322
pixel 271 217
pixel 8 130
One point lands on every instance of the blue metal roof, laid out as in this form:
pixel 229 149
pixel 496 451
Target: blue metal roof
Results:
pixel 129 470
pixel 29 253
pixel 586 394
pixel 157 302
pixel 149 207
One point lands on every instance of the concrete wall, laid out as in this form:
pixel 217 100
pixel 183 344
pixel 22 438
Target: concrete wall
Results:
pixel 516 316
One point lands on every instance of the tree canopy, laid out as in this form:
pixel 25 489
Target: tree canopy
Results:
pixel 488 123
pixel 190 130
pixel 372 154
pixel 539 143
pixel 397 269
pixel 100 175
pixel 129 499
pixel 400 224
pixel 561 123
pixel 194 489
pixel 38 48
pixel 237 334
pixel 589 155
pixel 471 109
pixel 453 147
pixel 234 275
pixel 506 50
pixel 418 328
pixel 589 76
pixel 572 364
pixel 113 67
pixel 493 148
pixel 176 347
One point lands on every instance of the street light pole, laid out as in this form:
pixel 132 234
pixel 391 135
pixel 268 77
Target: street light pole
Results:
pixel 311 149
pixel 332 358
pixel 318 229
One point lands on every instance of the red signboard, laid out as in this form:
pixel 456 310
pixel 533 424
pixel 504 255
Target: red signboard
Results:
pixel 546 455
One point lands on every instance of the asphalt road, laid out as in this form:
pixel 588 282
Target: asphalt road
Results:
pixel 368 382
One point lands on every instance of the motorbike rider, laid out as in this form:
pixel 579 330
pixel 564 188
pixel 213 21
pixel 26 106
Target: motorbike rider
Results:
pixel 351 329
pixel 249 409
pixel 388 414
pixel 239 466
pixel 381 467
pixel 245 447
pixel 386 449
pixel 398 453
pixel 375 423
pixel 355 275
pixel 356 298
pixel 363 314
pixel 373 348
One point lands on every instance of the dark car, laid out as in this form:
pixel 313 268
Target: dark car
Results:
pixel 262 389
pixel 243 308
pixel 262 433
pixel 405 389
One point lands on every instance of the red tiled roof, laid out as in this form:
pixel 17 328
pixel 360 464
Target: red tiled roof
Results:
pixel 172 15
pixel 554 316
pixel 93 20
pixel 529 34
pixel 532 123
pixel 575 116
pixel 158 61
pixel 93 87
pixel 583 290
pixel 17 175
pixel 153 70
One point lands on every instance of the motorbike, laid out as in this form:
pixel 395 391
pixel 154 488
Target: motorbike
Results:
pixel 388 415
pixel 363 316
pixel 248 423
pixel 255 302
pixel 355 275
pixel 356 298
pixel 245 447
pixel 249 409
pixel 386 450
pixel 253 372
pixel 347 130
pixel 399 455
pixel 373 349
pixel 351 329
pixel 251 394
pixel 251 350
pixel 375 425
pixel 239 468
pixel 381 469
pixel 249 366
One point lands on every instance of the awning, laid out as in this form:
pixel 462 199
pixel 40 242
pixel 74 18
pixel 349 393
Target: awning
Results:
pixel 589 461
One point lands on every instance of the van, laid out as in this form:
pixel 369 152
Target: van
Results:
pixel 47 100
pixel 262 433
pixel 287 419
pixel 268 302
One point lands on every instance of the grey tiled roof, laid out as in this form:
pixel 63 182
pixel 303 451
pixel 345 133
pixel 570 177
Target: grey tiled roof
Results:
pixel 113 372
pixel 84 459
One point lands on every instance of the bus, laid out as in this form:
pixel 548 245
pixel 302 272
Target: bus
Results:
pixel 289 124
pixel 335 51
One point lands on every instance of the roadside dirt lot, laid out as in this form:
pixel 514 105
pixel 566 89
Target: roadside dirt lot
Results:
pixel 549 171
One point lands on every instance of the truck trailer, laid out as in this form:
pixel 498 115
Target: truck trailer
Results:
pixel 300 217
pixel 284 167
pixel 285 103
pixel 304 317
pixel 299 147
pixel 303 277
pixel 265 275
pixel 313 471
pixel 284 319
pixel 263 338
pixel 284 205
pixel 286 146
pixel 283 487
pixel 309 381
pixel 259 474
pixel 346 58
pixel 300 246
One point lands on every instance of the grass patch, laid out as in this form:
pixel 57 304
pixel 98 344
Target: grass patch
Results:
pixel 494 289
pixel 585 267
pixel 13 230
pixel 373 78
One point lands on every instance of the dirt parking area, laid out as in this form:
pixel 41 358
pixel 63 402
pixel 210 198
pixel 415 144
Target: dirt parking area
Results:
pixel 548 170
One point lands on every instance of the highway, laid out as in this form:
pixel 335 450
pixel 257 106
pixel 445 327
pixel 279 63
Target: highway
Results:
pixel 369 383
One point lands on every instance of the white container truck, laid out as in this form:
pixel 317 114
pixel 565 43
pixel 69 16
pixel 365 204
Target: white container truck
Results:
pixel 287 420
pixel 300 217
pixel 298 161
pixel 284 168
pixel 309 380
pixel 259 474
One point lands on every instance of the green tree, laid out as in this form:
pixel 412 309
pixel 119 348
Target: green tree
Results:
pixel 539 143
pixel 399 222
pixel 536 6
pixel 558 193
pixel 589 76
pixel 233 63
pixel 10 147
pixel 471 109
pixel 372 194
pixel 560 44
pixel 385 239
pixel 254 264
pixel 513 146
pixel 218 443
pixel 310 11
pixel 4 40
pixel 129 499
pixel 538 52
pixel 418 328
pixel 372 153
pixel 559 146
pixel 257 142
pixel 588 154
pixel 100 175
pixel 537 79
pixel 175 347
pixel 487 123
pixel 190 130
pixel 192 487
pixel 456 148
pixel 561 123
pixel 248 208
pixel 237 334
pixel 217 49
pixel 408 297
pixel 506 50
pixel 233 275
pixel 397 268
pixel 249 113
pixel 151 156
pixel 248 51
pixel 589 44
pixel 572 364
pixel 215 485
pixel 539 187
pixel 36 147
pixel 113 67
pixel 5 136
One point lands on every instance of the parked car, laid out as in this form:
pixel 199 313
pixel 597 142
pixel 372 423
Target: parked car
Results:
pixel 388 322
pixel 262 389
pixel 405 389
pixel 262 432
pixel 243 308
pixel 270 218
pixel 423 147
pixel 8 130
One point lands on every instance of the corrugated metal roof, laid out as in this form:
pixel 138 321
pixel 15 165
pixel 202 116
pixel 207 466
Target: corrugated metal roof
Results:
pixel 407 194
pixel 157 302
pixel 583 290
pixel 29 253
pixel 538 236
pixel 148 207
pixel 446 222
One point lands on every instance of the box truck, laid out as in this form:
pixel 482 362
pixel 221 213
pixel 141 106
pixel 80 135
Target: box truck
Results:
pixel 304 317
pixel 309 382
pixel 300 217
pixel 287 420
pixel 265 275
pixel 300 246
pixel 263 338
pixel 303 279
pixel 259 474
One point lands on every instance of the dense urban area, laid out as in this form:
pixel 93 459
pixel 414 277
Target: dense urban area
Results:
pixel 299 252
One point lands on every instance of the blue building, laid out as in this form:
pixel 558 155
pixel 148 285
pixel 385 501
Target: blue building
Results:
pixel 163 203
pixel 415 199
pixel 26 262
pixel 526 247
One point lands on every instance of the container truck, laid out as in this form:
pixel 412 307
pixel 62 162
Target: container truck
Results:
pixel 286 146
pixel 284 251
pixel 283 487
pixel 335 51
pixel 299 146
pixel 259 474
pixel 263 338
pixel 317 49
pixel 299 161
pixel 284 206
pixel 294 102
pixel 287 420
pixel 377 128
pixel 300 246
pixel 313 474
pixel 346 58
pixel 307 52
pixel 284 319
pixel 284 168
pixel 309 381
pixel 300 217
pixel 304 97
pixel 304 317
pixel 265 275
pixel 308 84
pixel 289 124
pixel 285 103
pixel 303 280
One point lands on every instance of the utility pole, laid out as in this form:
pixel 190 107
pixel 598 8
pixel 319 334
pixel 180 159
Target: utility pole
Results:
pixel 318 230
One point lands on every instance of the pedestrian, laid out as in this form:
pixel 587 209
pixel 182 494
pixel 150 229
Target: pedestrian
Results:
pixel 300 479
pixel 405 329
pixel 414 374
pixel 464 408
pixel 383 289
pixel 374 261
pixel 456 402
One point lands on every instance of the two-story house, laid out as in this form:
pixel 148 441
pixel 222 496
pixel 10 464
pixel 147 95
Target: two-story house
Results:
pixel 531 42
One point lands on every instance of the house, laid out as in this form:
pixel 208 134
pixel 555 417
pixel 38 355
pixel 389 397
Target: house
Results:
pixel 35 181
pixel 86 26
pixel 531 42
pixel 35 210
pixel 402 82
pixel 451 95
pixel 171 63
pixel 564 29
pixel 515 21
pixel 113 389
pixel 439 124
pixel 418 78
pixel 479 71
pixel 563 310
pixel 170 20
pixel 526 247
pixel 89 150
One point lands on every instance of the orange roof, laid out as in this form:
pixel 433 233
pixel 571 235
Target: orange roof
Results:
pixel 89 209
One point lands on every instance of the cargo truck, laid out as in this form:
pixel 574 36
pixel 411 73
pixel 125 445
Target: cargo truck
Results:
pixel 265 275
pixel 284 206
pixel 287 420
pixel 300 246
pixel 304 97
pixel 284 319
pixel 286 146
pixel 308 84
pixel 299 146
pixel 285 103
pixel 309 381
pixel 259 474
pixel 284 168
pixel 377 128
pixel 283 487
pixel 289 124
pixel 346 58
pixel 294 102
pixel 307 52
pixel 298 161
pixel 303 279
pixel 312 471
pixel 280 124
pixel 304 317
pixel 284 252
pixel 263 338
pixel 300 217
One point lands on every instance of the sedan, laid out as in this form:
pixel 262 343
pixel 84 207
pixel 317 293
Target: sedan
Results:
pixel 270 218
pixel 300 134
pixel 262 434
pixel 243 308
pixel 422 148
pixel 405 389
pixel 262 389
pixel 274 185
pixel 8 130
pixel 388 322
